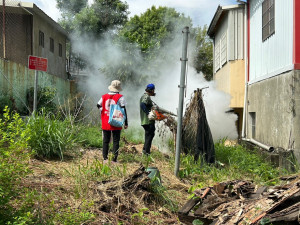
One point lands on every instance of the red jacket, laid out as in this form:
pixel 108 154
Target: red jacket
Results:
pixel 108 100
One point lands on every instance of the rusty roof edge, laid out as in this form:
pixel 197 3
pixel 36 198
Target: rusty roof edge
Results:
pixel 218 13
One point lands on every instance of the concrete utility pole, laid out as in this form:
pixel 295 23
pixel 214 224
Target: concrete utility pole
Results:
pixel 182 87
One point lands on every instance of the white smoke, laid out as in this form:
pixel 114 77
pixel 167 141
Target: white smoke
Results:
pixel 164 72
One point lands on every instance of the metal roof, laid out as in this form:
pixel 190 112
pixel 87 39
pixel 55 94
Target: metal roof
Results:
pixel 219 12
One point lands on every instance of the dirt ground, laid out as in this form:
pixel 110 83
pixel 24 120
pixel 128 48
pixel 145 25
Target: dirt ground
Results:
pixel 71 182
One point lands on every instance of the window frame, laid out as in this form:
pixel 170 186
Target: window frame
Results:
pixel 51 45
pixel 59 49
pixel 41 39
pixel 268 19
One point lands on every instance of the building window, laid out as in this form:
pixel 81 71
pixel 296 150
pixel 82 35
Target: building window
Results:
pixel 253 121
pixel 223 49
pixel 268 18
pixel 41 39
pixel 60 49
pixel 217 56
pixel 51 45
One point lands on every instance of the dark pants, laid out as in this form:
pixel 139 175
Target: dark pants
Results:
pixel 149 135
pixel 106 139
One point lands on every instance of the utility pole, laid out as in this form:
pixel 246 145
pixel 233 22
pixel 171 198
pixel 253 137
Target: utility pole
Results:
pixel 35 92
pixel 182 87
pixel 3 30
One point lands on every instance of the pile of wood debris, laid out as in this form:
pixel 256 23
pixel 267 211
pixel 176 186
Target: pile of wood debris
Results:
pixel 241 202
pixel 120 199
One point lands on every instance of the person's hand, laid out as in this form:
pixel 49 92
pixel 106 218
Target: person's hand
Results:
pixel 125 127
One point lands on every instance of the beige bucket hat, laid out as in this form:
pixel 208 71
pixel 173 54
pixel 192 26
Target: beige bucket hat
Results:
pixel 115 86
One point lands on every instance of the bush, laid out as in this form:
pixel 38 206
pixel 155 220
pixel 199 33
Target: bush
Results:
pixel 51 137
pixel 14 160
pixel 45 99
pixel 6 101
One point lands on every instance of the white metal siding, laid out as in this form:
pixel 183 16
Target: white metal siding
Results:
pixel 236 34
pixel 217 56
pixel 220 49
pixel 224 49
pixel 274 55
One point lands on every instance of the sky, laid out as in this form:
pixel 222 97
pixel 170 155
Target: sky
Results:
pixel 201 11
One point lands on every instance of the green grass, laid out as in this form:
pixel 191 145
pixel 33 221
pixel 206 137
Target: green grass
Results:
pixel 238 163
pixel 91 136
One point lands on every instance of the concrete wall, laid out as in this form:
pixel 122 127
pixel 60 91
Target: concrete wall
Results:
pixel 18 37
pixel 276 104
pixel 56 64
pixel 16 79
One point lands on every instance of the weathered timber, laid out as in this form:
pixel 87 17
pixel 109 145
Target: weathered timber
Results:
pixel 238 202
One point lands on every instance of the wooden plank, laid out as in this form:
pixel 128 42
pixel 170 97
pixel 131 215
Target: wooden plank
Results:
pixel 188 206
pixel 258 193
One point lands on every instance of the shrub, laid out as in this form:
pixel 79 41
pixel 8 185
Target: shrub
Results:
pixel 6 101
pixel 45 99
pixel 51 137
pixel 14 160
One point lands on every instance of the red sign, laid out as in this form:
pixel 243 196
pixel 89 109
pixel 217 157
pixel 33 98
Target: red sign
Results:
pixel 37 63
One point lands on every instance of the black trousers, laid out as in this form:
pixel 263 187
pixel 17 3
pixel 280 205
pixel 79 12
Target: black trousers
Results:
pixel 116 143
pixel 149 135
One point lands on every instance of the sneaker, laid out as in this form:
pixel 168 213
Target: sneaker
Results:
pixel 114 163
pixel 105 161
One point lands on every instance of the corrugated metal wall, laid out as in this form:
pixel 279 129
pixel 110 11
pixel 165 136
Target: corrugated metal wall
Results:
pixel 221 47
pixel 236 34
pixel 274 55
pixel 229 39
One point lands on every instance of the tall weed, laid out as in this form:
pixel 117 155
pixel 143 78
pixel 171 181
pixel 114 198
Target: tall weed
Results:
pixel 51 137
pixel 14 159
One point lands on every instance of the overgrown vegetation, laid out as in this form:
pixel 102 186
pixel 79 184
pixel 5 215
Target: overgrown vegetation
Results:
pixel 14 164
pixel 45 99
pixel 233 163
pixel 63 192
pixel 51 137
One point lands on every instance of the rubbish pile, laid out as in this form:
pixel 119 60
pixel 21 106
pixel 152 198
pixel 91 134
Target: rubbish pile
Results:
pixel 241 202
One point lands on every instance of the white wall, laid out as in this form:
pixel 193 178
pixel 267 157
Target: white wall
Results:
pixel 274 55
pixel 220 45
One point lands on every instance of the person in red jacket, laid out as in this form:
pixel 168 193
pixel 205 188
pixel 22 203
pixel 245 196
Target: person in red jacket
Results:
pixel 112 97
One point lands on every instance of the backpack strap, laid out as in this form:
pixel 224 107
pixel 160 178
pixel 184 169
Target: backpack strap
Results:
pixel 117 97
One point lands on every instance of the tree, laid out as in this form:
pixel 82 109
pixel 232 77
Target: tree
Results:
pixel 143 38
pixel 71 6
pixel 154 28
pixel 94 19
pixel 203 55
